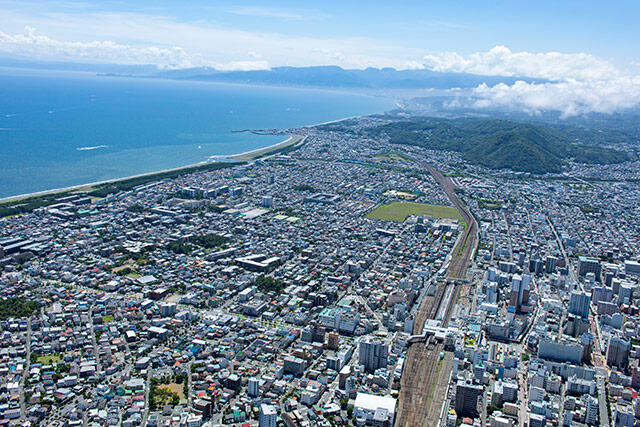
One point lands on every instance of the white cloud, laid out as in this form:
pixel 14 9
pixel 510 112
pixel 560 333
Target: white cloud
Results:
pixel 242 66
pixel 33 45
pixel 571 97
pixel 501 61
pixel 286 15
pixel 214 42
pixel 577 83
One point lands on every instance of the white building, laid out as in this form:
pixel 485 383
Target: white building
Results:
pixel 369 407
pixel 268 415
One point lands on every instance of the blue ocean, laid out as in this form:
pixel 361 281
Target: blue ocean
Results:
pixel 59 129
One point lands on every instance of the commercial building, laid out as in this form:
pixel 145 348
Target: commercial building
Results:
pixel 618 352
pixel 268 416
pixel 579 304
pixel 589 265
pixel 467 399
pixel 370 408
pixel 373 354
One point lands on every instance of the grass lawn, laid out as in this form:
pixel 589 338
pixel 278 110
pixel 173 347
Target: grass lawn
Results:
pixel 393 156
pixel 399 211
pixel 107 318
pixel 174 388
pixel 49 359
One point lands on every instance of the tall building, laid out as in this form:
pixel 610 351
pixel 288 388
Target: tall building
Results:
pixel 254 387
pixel 579 304
pixel 536 265
pixel 601 293
pixel 632 267
pixel 618 352
pixel 294 365
pixel 589 265
pixel 537 420
pixel 467 399
pixel 591 416
pixel 623 416
pixel 267 201
pixel 550 264
pixel 635 378
pixel 519 291
pixel 373 354
pixel 268 415
pixel 332 341
pixel 625 292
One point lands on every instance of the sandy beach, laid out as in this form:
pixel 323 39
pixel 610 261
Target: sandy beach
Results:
pixel 260 152
pixel 246 156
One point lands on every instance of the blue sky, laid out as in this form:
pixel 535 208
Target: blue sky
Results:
pixel 586 50
pixel 402 31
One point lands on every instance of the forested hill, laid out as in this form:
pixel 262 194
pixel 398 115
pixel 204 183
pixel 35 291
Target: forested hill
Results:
pixel 500 144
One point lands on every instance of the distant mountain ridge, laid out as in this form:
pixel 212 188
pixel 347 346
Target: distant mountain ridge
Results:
pixel 337 77
pixel 329 76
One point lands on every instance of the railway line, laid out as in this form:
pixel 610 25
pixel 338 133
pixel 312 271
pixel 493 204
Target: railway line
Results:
pixel 426 375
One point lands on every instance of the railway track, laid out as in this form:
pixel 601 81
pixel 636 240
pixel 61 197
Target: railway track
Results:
pixel 425 376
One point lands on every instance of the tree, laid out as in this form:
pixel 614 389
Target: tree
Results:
pixel 350 411
pixel 17 307
pixel 269 284
pixel 343 403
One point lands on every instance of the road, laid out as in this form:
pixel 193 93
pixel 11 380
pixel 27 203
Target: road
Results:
pixel 602 401
pixel 25 374
pixel 96 349
pixel 425 377
pixel 594 326
pixel 147 387
pixel 508 227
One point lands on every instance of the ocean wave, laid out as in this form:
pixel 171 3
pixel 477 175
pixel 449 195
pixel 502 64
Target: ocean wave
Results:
pixel 96 147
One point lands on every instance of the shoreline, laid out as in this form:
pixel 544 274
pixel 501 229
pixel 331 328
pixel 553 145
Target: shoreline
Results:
pixel 264 151
pixel 335 121
pixel 245 156
pixel 87 186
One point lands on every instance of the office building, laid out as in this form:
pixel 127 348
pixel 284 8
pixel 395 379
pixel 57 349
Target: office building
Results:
pixel 267 201
pixel 550 264
pixel 589 265
pixel 519 291
pixel 579 304
pixel 268 415
pixel 467 399
pixel 254 387
pixel 618 352
pixel 537 420
pixel 373 354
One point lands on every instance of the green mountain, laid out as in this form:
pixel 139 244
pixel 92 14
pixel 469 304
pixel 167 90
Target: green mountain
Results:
pixel 500 144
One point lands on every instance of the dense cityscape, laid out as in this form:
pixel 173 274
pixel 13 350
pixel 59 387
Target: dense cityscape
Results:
pixel 344 280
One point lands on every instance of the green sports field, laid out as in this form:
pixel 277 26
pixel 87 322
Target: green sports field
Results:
pixel 399 211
